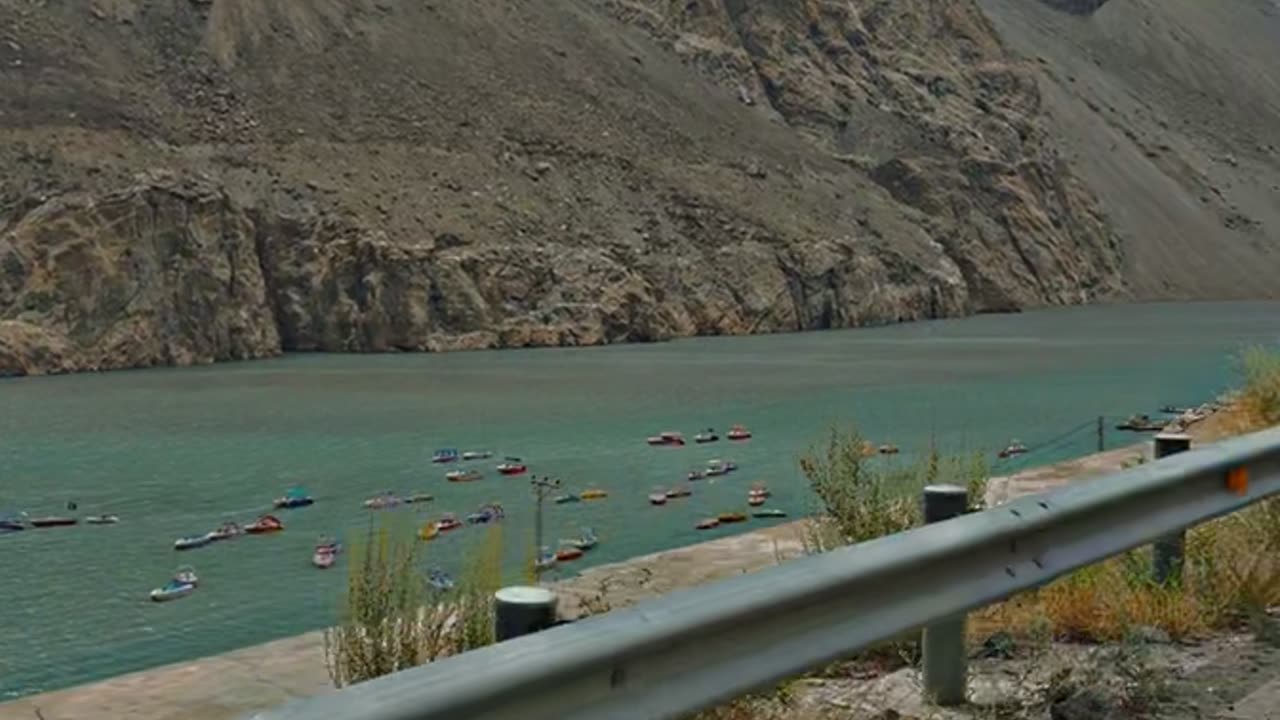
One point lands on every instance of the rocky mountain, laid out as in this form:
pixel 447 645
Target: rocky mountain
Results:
pixel 203 180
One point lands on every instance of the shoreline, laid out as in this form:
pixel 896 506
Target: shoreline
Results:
pixel 229 685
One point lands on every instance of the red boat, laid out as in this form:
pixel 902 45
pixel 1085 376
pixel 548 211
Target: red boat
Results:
pixel 513 466
pixel 448 522
pixel 265 524
pixel 566 554
pixel 738 432
pixel 46 522
pixel 673 439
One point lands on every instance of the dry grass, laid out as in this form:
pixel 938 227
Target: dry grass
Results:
pixel 1259 399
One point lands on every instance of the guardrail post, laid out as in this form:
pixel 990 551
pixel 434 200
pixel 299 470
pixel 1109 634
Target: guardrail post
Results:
pixel 1167 552
pixel 942 642
pixel 522 610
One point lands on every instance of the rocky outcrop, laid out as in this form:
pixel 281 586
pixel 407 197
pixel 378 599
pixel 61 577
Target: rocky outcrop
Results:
pixel 396 175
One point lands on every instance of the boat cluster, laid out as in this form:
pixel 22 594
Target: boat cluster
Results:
pixel 674 439
pixel 570 549
pixel 17 522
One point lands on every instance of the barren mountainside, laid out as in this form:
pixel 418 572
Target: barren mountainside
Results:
pixel 192 181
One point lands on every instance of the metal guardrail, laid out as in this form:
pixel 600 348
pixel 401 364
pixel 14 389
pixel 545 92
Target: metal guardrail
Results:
pixel 693 648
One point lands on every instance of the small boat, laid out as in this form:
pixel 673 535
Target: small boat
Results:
pixel 759 489
pixel 708 524
pixel 565 554
pixel 477 455
pixel 192 541
pixel 385 500
pixel 593 494
pixel 769 513
pixel 673 439
pixel 186 575
pixel 448 522
pixel 440 580
pixel 172 590
pixel 755 500
pixel 419 498
pixel 1173 410
pixel 48 522
pixel 12 522
pixel 570 498
pixel 294 497
pixel 463 476
pixel 429 531
pixel 486 514
pixel 227 531
pixel 546 559
pixel 731 517
pixel 326 553
pixel 102 519
pixel 738 432
pixel 888 449
pixel 658 497
pixel 1140 423
pixel 679 492
pixel 867 450
pixel 446 455
pixel 706 436
pixel 696 475
pixel 513 466
pixel 719 467
pixel 1014 448
pixel 586 540
pixel 265 524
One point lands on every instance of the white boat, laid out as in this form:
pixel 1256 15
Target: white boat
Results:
pixel 102 520
pixel 194 541
pixel 227 531
pixel 546 559
pixel 477 455
pixel 172 591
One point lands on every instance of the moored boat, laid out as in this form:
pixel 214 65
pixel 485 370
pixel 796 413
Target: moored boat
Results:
pixel 1014 448
pixel 593 494
pixel 759 489
pixel 1140 423
pixel 708 524
pixel 755 500
pixel 477 455
pixel 294 497
pixel 738 432
pixel 546 559
pixel 12 522
pixel 658 497
pixel 429 531
pixel 512 466
pixel 586 540
pixel 102 519
pixel 447 522
pixel 172 590
pixel 192 542
pixel 419 498
pixel 668 438
pixel 48 522
pixel 326 553
pixel 719 467
pixel 706 436
pixel 486 514
pixel 387 499
pixel 888 449
pixel 445 455
pixel 696 475
pixel 463 476
pixel 570 498
pixel 566 554
pixel 679 492
pixel 731 517
pixel 265 524
pixel 769 513
pixel 440 580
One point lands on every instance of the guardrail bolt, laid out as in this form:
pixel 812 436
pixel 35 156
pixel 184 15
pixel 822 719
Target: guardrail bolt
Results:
pixel 1168 552
pixel 942 643
pixel 521 610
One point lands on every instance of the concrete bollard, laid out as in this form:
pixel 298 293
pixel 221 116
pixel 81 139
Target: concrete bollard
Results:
pixel 942 643
pixel 522 610
pixel 1168 552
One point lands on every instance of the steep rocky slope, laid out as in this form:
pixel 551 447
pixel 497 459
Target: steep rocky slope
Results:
pixel 195 181
pixel 1170 111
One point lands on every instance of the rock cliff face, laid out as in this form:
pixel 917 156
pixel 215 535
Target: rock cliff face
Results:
pixel 193 182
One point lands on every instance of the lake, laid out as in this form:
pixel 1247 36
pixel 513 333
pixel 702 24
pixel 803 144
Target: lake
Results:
pixel 177 451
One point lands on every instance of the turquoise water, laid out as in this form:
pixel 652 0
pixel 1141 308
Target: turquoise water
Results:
pixel 176 452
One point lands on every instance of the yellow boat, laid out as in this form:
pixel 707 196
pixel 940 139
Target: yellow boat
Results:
pixel 593 494
pixel 429 531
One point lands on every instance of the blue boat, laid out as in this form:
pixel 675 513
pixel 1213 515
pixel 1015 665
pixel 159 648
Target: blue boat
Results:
pixel 439 580
pixel 446 455
pixel 294 497
pixel 487 514
pixel 12 522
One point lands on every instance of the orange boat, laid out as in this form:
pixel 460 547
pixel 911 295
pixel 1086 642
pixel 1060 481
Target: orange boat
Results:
pixel 565 554
pixel 732 517
pixel 265 524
